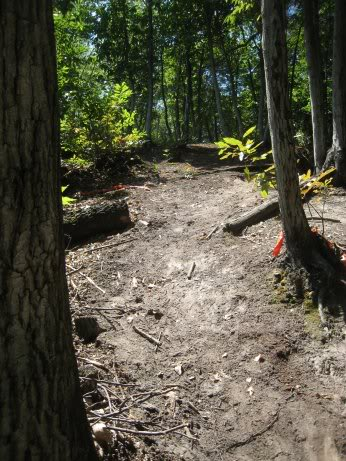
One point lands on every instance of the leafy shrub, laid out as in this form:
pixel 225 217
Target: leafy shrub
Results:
pixel 94 111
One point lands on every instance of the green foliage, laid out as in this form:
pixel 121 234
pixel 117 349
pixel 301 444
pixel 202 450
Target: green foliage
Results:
pixel 94 111
pixel 246 150
pixel 65 199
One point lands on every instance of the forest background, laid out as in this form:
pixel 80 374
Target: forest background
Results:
pixel 182 71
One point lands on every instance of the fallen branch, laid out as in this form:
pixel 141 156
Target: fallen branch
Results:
pixel 159 340
pixel 94 363
pixel 87 277
pixel 92 282
pixel 90 250
pixel 322 218
pixel 145 335
pixel 192 268
pixel 212 232
pixel 153 433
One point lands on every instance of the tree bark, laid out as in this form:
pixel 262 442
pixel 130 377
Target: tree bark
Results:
pixel 314 61
pixel 295 225
pixel 262 97
pixel 222 122
pixel 163 94
pixel 42 415
pixel 150 101
pixel 199 127
pixel 339 90
pixel 189 112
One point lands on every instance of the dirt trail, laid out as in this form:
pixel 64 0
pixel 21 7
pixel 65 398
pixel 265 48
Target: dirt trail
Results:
pixel 289 404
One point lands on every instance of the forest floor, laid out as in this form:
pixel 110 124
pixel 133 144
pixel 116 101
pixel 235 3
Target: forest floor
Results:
pixel 242 363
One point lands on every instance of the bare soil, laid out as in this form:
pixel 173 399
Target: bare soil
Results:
pixel 243 363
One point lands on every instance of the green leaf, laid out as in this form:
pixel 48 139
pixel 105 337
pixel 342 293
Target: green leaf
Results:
pixel 233 142
pixel 249 131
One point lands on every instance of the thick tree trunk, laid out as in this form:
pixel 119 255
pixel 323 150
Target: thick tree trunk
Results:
pixel 339 90
pixel 150 101
pixel 42 415
pixel 295 225
pixel 314 61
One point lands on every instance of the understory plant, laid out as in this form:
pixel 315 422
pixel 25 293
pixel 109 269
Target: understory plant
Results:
pixel 246 150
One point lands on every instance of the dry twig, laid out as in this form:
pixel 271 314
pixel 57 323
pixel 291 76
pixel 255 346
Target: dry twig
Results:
pixel 145 335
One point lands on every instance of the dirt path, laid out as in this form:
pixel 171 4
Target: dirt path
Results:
pixel 289 404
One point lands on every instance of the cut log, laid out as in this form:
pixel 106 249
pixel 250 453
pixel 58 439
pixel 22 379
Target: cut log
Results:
pixel 266 210
pixel 270 208
pixel 83 223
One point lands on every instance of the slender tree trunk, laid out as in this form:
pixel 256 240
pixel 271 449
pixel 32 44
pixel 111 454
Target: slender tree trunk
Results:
pixel 233 90
pixel 189 109
pixel 223 127
pixel 199 98
pixel 149 116
pixel 163 93
pixel 297 232
pixel 177 102
pixel 314 61
pixel 339 90
pixel 42 415
pixel 294 62
pixel 262 98
pixel 127 55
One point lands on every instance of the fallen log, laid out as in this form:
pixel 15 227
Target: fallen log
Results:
pixel 266 210
pixel 83 223
pixel 270 208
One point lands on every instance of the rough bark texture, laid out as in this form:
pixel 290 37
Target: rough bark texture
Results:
pixel 42 415
pixel 96 219
pixel 314 61
pixel 295 225
pixel 339 90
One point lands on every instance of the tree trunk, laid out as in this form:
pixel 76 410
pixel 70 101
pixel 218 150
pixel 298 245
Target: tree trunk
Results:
pixel 163 94
pixel 262 97
pixel 295 225
pixel 199 127
pixel 314 61
pixel 177 102
pixel 150 101
pixel 339 90
pixel 189 110
pixel 233 90
pixel 294 62
pixel 42 415
pixel 209 16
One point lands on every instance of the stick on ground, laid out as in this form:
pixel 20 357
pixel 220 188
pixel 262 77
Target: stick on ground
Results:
pixel 145 335
pixel 192 268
